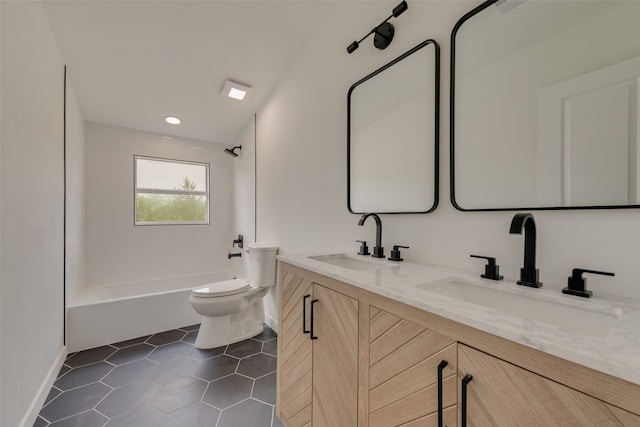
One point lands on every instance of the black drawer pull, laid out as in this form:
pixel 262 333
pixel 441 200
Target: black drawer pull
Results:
pixel 304 314
pixel 313 337
pixel 467 378
pixel 441 367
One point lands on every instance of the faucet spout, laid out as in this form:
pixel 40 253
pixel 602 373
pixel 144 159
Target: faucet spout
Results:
pixel 529 272
pixel 378 250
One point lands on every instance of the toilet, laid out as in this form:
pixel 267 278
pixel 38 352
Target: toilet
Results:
pixel 232 310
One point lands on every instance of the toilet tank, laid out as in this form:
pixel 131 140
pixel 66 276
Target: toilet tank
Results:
pixel 262 264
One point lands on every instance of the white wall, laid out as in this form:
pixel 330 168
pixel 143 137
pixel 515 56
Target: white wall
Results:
pixel 1 84
pixel 244 190
pixel 119 252
pixel 75 197
pixel 31 279
pixel 301 152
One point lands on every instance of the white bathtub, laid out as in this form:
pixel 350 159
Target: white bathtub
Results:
pixel 107 314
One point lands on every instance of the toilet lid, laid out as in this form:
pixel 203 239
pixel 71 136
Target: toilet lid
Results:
pixel 221 289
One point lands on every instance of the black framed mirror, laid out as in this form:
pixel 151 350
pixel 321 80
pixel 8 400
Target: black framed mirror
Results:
pixel 544 106
pixel 393 135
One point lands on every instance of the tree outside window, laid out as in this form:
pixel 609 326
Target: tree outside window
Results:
pixel 171 192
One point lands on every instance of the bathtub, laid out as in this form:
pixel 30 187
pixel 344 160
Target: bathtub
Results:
pixel 103 315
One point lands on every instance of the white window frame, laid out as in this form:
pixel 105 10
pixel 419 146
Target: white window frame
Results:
pixel 137 191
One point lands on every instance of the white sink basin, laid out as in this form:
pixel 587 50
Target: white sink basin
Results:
pixel 344 261
pixel 572 318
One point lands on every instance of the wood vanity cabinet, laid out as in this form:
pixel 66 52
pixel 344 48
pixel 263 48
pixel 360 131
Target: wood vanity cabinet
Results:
pixel 318 355
pixel 378 362
pixel 408 363
pixel 502 394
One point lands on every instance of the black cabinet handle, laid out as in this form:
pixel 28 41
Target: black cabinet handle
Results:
pixel 304 314
pixel 313 337
pixel 441 367
pixel 467 378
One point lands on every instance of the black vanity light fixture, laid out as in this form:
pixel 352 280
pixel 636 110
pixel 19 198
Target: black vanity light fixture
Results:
pixel 383 32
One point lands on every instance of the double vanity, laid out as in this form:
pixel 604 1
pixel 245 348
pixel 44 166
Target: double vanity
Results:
pixel 364 341
pixel 369 342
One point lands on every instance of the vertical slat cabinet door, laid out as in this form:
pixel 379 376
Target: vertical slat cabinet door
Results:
pixel 295 358
pixel 335 359
pixel 412 374
pixel 499 394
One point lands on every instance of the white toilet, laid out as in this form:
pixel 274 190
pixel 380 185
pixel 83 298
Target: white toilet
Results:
pixel 232 310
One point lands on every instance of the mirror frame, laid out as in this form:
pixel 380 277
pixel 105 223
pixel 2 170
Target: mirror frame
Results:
pixel 436 137
pixel 455 204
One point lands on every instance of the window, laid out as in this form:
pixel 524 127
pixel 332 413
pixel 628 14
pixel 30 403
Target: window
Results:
pixel 170 191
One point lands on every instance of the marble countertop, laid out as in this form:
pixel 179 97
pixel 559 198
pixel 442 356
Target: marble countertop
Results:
pixel 613 350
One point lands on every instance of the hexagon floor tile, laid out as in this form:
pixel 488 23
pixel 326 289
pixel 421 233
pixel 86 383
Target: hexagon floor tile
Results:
pixel 130 354
pixel 257 365
pixel 270 347
pixel 264 389
pixel 217 367
pixel 130 373
pixel 244 348
pixel 228 391
pixel 173 370
pixel 163 380
pixel 83 375
pixel 247 413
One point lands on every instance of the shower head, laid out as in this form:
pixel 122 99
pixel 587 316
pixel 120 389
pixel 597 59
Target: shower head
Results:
pixel 233 150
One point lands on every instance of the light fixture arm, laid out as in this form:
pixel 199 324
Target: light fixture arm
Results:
pixel 383 32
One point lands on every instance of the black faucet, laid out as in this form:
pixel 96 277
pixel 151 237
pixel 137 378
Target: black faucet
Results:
pixel 529 272
pixel 378 250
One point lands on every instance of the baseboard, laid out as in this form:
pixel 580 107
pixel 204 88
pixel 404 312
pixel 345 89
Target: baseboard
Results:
pixel 34 409
pixel 271 322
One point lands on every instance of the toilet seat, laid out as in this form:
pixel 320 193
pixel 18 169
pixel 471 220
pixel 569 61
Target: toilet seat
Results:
pixel 222 289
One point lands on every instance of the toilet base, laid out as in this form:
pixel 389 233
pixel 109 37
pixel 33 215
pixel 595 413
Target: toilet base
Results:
pixel 218 331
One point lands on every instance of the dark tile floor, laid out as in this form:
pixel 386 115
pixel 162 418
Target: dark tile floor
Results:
pixel 163 380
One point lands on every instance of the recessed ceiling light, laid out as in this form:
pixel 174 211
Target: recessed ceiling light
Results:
pixel 235 90
pixel 172 120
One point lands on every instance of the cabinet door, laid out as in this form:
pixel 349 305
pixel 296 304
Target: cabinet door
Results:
pixel 502 394
pixel 404 373
pixel 335 359
pixel 295 359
